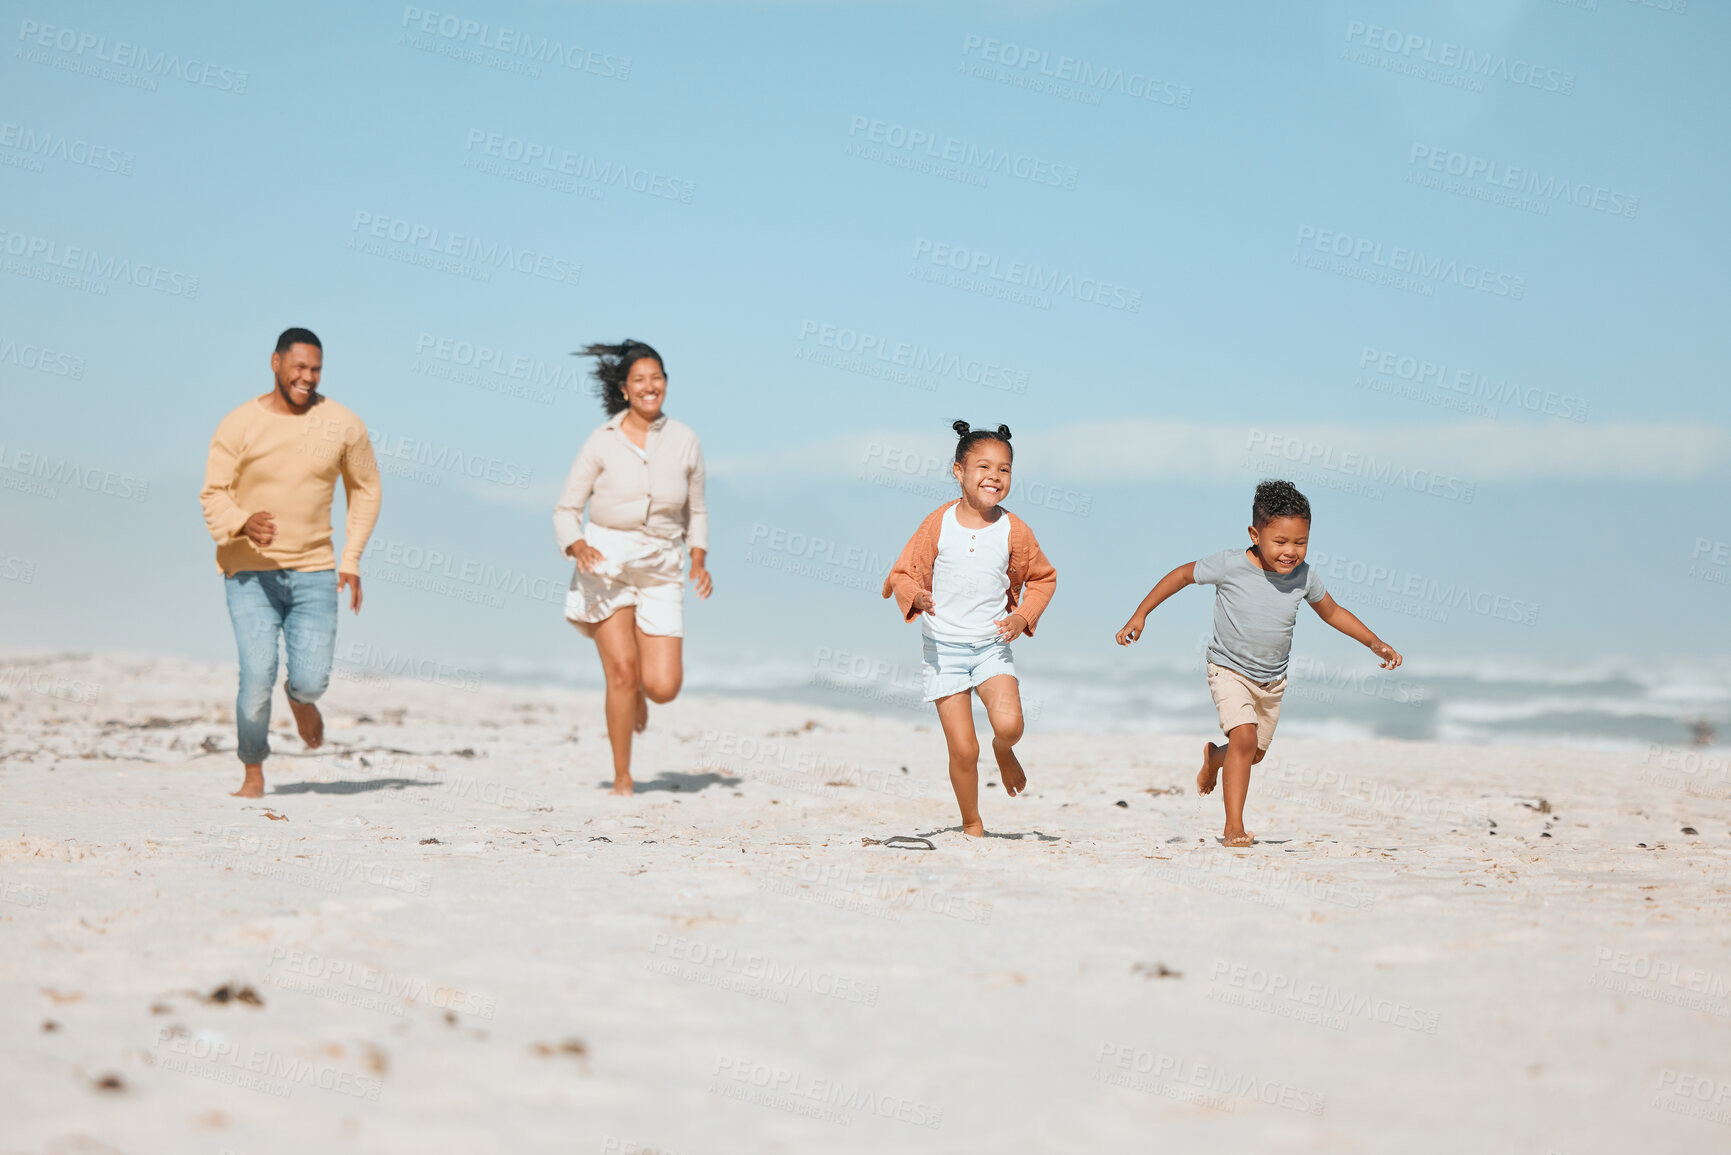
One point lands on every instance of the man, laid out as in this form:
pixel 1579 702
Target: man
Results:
pixel 273 469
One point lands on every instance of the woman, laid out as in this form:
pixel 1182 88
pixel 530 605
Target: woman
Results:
pixel 641 476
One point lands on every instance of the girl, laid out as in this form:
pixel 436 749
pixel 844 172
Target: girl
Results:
pixel 640 476
pixel 964 571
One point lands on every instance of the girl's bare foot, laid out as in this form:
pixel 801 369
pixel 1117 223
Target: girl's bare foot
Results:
pixel 622 787
pixel 1242 838
pixel 309 722
pixel 253 786
pixel 642 712
pixel 1206 776
pixel 974 829
pixel 1010 771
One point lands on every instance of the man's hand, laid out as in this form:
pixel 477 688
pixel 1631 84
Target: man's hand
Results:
pixel 1390 659
pixel 587 556
pixel 1011 628
pixel 1132 630
pixel 923 603
pixel 260 528
pixel 353 581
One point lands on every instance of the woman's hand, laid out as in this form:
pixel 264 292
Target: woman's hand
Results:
pixel 1011 628
pixel 1390 658
pixel 923 603
pixel 588 557
pixel 700 572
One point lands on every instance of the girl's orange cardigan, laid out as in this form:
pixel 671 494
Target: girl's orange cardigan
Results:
pixel 1028 567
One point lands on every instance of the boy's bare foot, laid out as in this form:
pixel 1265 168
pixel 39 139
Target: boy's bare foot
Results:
pixel 622 788
pixel 974 829
pixel 1241 838
pixel 1009 769
pixel 1210 771
pixel 253 786
pixel 309 722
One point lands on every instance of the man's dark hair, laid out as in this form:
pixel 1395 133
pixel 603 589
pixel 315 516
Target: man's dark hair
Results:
pixel 297 337
pixel 1276 498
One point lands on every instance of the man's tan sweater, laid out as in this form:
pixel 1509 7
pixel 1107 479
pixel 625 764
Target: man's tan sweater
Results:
pixel 288 465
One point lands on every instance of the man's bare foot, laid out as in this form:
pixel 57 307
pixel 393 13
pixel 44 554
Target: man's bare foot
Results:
pixel 642 712
pixel 1009 770
pixel 253 786
pixel 622 788
pixel 1210 771
pixel 974 829
pixel 309 722
pixel 1241 838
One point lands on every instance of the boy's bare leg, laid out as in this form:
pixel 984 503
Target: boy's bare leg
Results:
pixel 1241 754
pixel 309 722
pixel 253 785
pixel 616 639
pixel 1212 758
pixel 956 714
pixel 1003 699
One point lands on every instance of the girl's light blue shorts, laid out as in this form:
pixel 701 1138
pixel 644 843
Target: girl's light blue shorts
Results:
pixel 957 667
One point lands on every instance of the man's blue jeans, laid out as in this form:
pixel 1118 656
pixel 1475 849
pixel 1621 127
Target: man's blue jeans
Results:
pixel 302 609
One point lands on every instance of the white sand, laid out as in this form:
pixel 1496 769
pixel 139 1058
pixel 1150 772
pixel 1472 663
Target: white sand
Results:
pixel 690 970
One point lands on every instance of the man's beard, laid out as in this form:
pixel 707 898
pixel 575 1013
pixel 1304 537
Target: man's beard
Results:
pixel 282 389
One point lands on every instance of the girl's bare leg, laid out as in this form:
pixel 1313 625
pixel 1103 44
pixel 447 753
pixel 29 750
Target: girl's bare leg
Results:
pixel 956 714
pixel 616 639
pixel 1003 699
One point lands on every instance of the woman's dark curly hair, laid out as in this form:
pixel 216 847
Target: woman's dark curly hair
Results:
pixel 1276 498
pixel 612 366
pixel 972 437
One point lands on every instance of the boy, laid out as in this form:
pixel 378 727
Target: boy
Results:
pixel 1255 608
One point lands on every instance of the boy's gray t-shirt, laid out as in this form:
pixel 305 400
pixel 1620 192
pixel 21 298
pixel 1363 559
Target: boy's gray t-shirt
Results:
pixel 1254 612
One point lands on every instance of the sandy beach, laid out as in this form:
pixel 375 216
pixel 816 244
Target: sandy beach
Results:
pixel 439 934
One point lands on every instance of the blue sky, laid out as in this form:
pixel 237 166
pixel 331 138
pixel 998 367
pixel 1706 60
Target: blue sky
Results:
pixel 1408 254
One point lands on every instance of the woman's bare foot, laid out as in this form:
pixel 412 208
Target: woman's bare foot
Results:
pixel 974 829
pixel 1210 771
pixel 642 712
pixel 622 787
pixel 253 786
pixel 309 722
pixel 1010 771
pixel 1241 838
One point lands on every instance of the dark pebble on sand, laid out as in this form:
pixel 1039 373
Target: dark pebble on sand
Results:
pixel 1122 803
pixel 1688 830
pixel 1546 835
pixel 49 1026
pixel 431 842
pixel 230 994
pixel 108 1082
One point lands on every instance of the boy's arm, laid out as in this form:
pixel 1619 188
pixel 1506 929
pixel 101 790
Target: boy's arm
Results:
pixel 1184 575
pixel 1347 623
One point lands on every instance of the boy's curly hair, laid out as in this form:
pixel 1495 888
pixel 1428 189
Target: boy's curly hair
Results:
pixel 1277 498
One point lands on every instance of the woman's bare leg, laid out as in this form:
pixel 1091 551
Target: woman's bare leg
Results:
pixel 616 639
pixel 956 714
pixel 662 666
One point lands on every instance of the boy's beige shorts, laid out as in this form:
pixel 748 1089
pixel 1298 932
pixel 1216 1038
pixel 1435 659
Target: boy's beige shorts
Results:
pixel 1239 700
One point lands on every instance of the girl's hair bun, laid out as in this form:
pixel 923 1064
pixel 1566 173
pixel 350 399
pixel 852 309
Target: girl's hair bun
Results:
pixel 1004 433
pixel 961 428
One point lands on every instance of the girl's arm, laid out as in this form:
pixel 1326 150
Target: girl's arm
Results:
pixel 1184 575
pixel 911 597
pixel 1347 623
